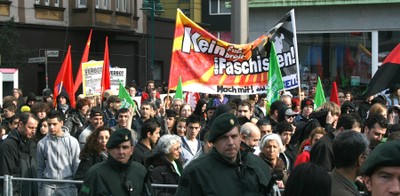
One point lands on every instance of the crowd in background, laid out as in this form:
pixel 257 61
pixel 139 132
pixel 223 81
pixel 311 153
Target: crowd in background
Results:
pixel 316 151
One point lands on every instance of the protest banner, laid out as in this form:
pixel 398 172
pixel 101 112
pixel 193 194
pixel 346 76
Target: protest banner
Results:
pixel 91 78
pixel 117 74
pixel 209 65
pixel 91 73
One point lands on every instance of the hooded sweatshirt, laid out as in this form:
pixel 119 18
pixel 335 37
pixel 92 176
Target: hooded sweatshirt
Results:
pixel 58 157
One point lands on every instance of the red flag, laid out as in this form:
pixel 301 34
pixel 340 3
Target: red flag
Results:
pixel 105 77
pixel 64 80
pixel 334 94
pixel 85 57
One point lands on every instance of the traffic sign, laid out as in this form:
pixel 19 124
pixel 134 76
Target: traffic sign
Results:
pixel 37 60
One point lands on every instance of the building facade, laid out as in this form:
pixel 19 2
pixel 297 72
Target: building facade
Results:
pixel 52 25
pixel 342 41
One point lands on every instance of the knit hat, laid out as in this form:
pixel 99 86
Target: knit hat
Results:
pixel 25 108
pixel 221 125
pixel 347 106
pixel 306 102
pixel 384 155
pixel 119 136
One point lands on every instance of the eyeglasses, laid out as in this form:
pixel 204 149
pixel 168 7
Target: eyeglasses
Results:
pixel 290 116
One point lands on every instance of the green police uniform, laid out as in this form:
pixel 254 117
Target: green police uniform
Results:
pixel 112 177
pixel 212 174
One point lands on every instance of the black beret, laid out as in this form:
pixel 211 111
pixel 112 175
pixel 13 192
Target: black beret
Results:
pixel 221 125
pixel 117 137
pixel 384 155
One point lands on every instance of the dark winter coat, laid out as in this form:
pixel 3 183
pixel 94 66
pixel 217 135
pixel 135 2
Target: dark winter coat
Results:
pixel 322 152
pixel 18 159
pixel 86 163
pixel 114 178
pixel 141 153
pixel 163 172
pixel 212 174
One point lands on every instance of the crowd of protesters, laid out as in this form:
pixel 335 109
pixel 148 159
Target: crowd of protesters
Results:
pixel 223 145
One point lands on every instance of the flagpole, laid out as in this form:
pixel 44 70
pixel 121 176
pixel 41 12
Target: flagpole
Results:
pixel 296 50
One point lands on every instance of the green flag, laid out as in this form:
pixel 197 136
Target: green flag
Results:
pixel 126 100
pixel 319 98
pixel 179 92
pixel 275 82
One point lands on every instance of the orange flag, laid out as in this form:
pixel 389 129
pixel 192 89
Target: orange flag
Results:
pixel 85 57
pixel 105 77
pixel 64 80
pixel 334 94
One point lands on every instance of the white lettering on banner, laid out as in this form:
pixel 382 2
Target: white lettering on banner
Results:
pixel 227 60
pixel 290 81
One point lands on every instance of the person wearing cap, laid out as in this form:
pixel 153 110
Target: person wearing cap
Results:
pixel 307 107
pixel 110 111
pixel 381 170
pixel 95 121
pixel 290 115
pixel 119 174
pixel 57 157
pixel 347 107
pixel 225 170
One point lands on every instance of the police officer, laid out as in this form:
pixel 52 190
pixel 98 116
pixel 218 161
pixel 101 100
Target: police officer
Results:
pixel 119 175
pixel 225 170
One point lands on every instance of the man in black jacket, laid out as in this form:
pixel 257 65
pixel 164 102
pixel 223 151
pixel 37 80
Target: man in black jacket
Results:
pixel 18 154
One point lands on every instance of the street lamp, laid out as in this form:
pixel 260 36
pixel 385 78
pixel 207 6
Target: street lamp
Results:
pixel 153 8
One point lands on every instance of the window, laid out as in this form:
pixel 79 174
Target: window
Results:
pixel 37 1
pixel 105 3
pixel 81 3
pixel 47 2
pixel 341 57
pixel 117 5
pixel 56 3
pixel 97 4
pixel 219 7
pixel 123 6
